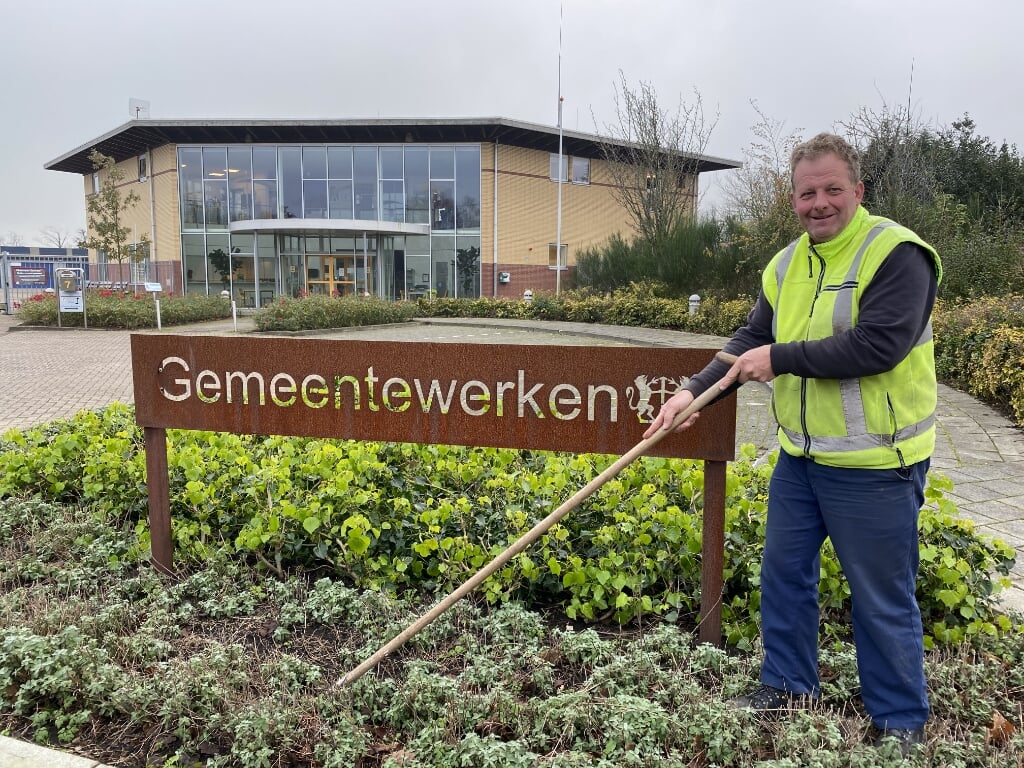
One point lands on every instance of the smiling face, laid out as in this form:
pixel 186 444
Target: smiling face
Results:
pixel 824 196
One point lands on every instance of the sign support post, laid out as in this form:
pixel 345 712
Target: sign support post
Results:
pixel 5 278
pixel 155 289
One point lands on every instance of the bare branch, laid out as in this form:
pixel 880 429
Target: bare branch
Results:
pixel 654 156
pixel 56 237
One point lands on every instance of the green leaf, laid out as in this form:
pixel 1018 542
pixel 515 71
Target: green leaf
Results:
pixel 358 543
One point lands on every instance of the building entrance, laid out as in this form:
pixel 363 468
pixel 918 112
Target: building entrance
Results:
pixel 339 274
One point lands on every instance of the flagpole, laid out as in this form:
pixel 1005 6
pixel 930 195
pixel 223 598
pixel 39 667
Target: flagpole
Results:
pixel 558 234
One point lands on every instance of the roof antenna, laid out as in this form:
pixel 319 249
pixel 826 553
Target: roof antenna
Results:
pixel 138 109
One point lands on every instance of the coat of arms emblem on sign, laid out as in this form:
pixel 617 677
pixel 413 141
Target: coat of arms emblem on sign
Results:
pixel 650 392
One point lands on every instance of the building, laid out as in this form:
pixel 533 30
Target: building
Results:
pixel 398 208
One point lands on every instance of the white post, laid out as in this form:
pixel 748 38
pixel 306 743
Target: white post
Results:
pixel 5 278
pixel 558 231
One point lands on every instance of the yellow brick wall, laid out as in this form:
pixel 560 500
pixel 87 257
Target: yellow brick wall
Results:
pixel 528 207
pixel 137 217
pixel 166 217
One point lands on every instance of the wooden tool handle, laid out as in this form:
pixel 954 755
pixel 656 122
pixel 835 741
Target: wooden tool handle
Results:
pixel 535 533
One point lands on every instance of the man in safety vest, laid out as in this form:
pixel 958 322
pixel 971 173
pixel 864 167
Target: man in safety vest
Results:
pixel 842 327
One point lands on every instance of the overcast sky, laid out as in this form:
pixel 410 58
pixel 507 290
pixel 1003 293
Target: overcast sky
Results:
pixel 69 67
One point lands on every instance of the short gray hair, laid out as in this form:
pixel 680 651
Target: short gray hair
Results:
pixel 827 144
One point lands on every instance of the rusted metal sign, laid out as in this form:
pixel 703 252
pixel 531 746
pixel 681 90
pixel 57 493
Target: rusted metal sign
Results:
pixel 568 398
pixel 579 399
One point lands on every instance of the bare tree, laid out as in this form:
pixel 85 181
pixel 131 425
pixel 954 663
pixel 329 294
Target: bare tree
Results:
pixel 13 238
pixel 758 194
pixel 57 237
pixel 898 176
pixel 654 157
pixel 106 209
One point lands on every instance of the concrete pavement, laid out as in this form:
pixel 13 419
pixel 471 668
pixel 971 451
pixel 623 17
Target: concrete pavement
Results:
pixel 50 374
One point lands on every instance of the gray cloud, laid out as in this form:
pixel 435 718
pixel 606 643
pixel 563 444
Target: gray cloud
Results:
pixel 69 68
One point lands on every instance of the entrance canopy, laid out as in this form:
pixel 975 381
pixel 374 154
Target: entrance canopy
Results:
pixel 333 226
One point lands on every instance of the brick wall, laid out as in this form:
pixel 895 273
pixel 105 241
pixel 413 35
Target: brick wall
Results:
pixel 523 277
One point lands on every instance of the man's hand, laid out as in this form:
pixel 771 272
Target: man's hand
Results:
pixel 753 365
pixel 669 410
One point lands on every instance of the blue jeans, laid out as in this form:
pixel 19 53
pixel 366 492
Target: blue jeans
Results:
pixel 871 517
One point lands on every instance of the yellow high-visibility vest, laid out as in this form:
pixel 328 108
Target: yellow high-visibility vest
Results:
pixel 875 422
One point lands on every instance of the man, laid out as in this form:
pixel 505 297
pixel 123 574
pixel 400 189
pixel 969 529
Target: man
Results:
pixel 842 326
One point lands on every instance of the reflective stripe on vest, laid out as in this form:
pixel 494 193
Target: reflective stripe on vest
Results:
pixel 842 320
pixel 859 442
pixel 781 267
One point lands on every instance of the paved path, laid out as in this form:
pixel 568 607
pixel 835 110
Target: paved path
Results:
pixel 50 374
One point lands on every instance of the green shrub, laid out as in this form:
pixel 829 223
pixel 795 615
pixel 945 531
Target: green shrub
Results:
pixel 395 517
pixel 120 309
pixel 985 259
pixel 227 664
pixel 692 259
pixel 481 307
pixel 320 312
pixel 978 348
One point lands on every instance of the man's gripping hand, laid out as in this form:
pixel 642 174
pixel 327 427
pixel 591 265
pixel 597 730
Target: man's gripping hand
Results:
pixel 669 410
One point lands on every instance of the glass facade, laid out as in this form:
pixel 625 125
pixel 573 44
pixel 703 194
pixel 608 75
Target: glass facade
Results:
pixel 339 186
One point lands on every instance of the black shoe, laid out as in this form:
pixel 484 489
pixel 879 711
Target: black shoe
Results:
pixel 765 698
pixel 904 738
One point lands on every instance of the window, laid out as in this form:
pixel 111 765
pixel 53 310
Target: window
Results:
pixel 138 252
pixel 240 183
pixel 551 256
pixel 442 201
pixel 190 187
pixel 215 186
pixel 553 167
pixel 581 170
pixel 417 186
pixel 95 182
pixel 364 182
pixel 290 190
pixel 467 189
pixel 143 168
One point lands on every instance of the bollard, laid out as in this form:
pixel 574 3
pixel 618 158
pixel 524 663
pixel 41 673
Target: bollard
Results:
pixel 694 304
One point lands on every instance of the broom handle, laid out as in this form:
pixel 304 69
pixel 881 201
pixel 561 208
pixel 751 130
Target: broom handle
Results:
pixel 534 533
